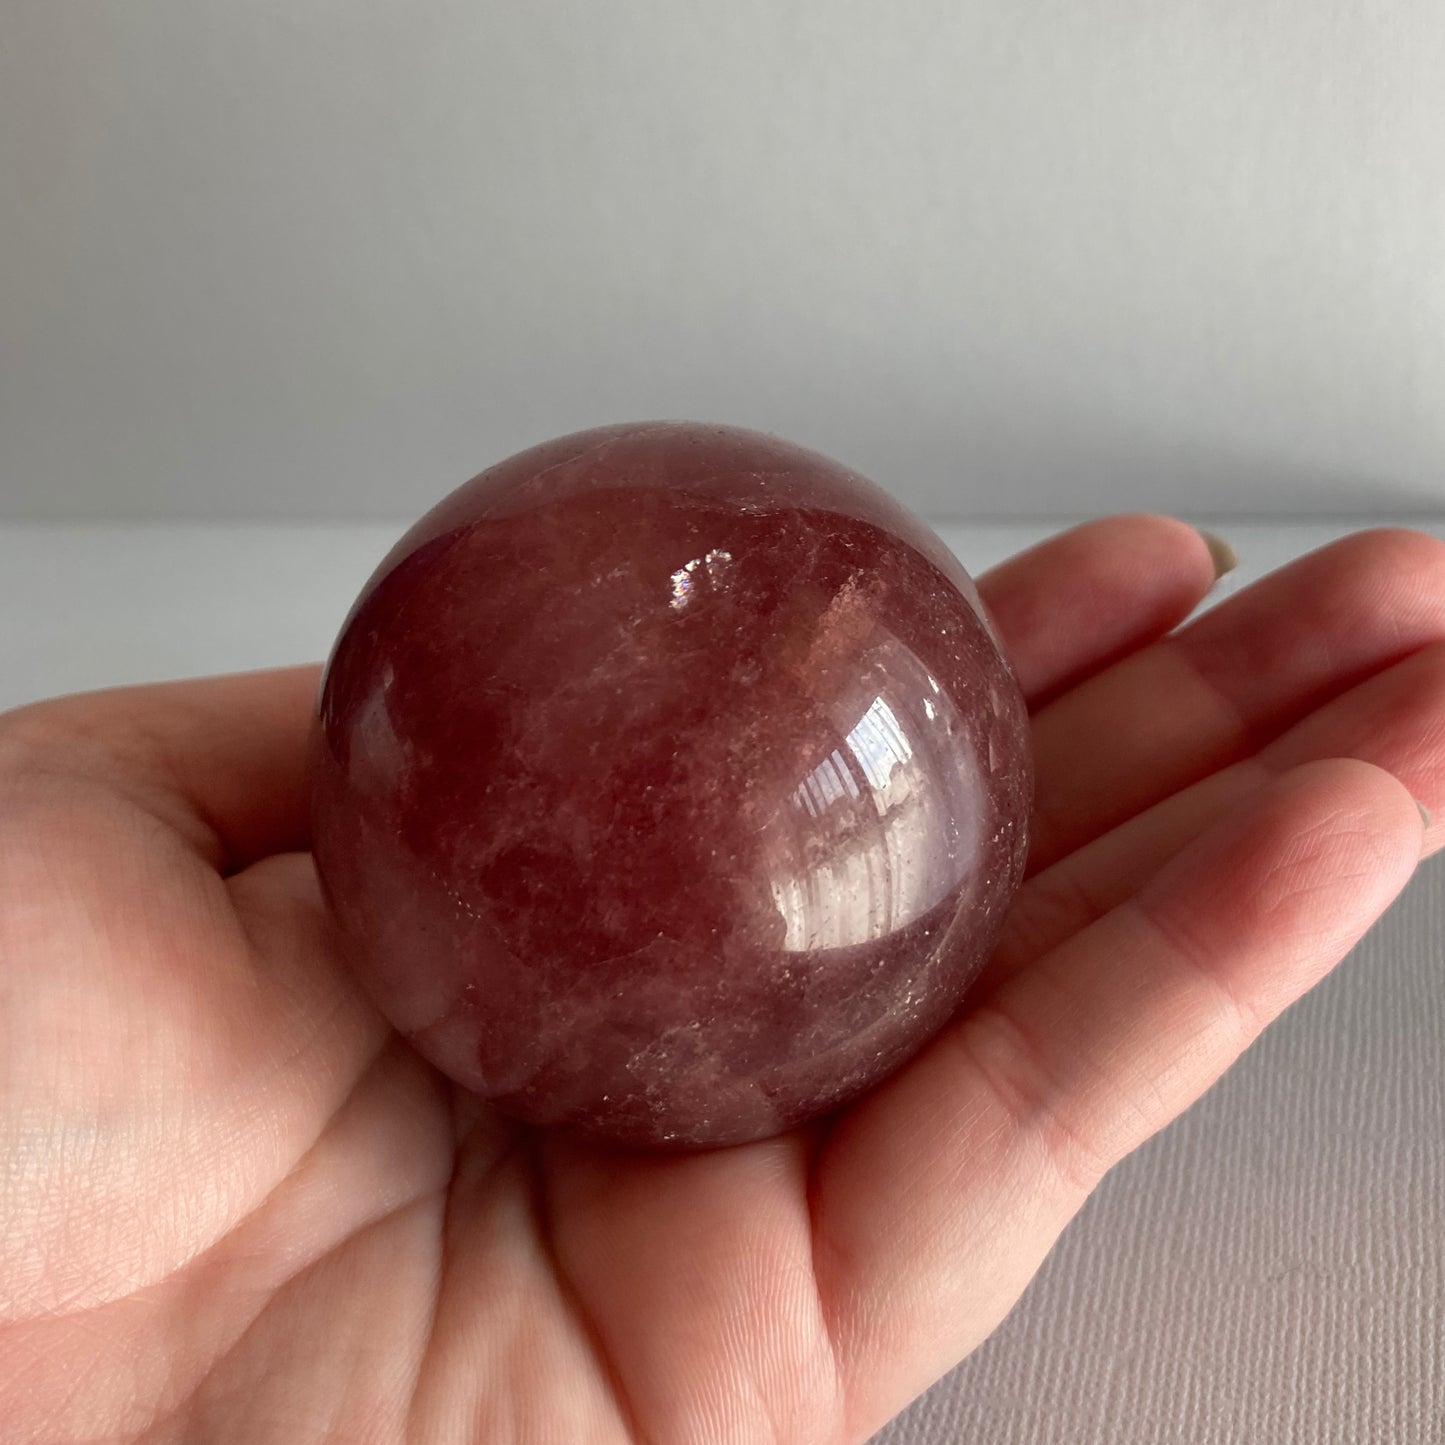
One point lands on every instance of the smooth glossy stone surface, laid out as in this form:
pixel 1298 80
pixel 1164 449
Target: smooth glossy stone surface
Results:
pixel 668 784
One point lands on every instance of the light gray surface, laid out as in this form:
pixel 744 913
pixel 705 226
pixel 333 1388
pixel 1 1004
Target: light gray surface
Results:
pixel 1269 1271
pixel 321 259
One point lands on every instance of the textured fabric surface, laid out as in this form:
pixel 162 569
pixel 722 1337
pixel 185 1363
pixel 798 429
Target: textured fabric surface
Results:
pixel 1270 1269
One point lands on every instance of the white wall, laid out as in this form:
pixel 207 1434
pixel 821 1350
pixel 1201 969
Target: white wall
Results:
pixel 1008 256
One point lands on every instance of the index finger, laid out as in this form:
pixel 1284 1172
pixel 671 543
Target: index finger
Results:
pixel 1082 599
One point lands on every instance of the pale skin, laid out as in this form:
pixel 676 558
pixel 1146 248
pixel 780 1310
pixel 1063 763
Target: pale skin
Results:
pixel 234 1206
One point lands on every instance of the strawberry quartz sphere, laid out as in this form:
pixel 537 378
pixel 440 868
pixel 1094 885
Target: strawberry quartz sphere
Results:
pixel 669 785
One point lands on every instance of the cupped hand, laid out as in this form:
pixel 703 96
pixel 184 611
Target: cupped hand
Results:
pixel 234 1206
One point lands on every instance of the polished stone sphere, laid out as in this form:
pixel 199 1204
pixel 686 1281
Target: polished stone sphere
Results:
pixel 669 784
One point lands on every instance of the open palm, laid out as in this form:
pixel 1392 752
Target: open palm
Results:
pixel 235 1206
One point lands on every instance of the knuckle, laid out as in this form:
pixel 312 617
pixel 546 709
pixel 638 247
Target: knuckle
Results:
pixel 1428 671
pixel 1003 1053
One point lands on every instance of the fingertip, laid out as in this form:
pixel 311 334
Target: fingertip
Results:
pixel 1364 805
pixel 1190 553
pixel 1088 596
pixel 1366 784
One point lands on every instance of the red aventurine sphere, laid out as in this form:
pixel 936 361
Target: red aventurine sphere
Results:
pixel 669 784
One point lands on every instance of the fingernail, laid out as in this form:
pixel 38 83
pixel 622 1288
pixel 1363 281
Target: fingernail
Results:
pixel 1224 557
pixel 1424 813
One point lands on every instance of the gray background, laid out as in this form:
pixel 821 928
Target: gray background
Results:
pixel 300 257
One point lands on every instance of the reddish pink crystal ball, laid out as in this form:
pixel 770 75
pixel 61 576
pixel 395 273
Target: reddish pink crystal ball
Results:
pixel 669 784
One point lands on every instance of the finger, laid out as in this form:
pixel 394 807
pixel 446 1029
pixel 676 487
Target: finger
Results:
pixel 1108 1036
pixel 982 1150
pixel 1226 684
pixel 221 759
pixel 1091 594
pixel 1396 721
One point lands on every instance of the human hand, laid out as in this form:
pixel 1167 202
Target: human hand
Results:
pixel 234 1205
